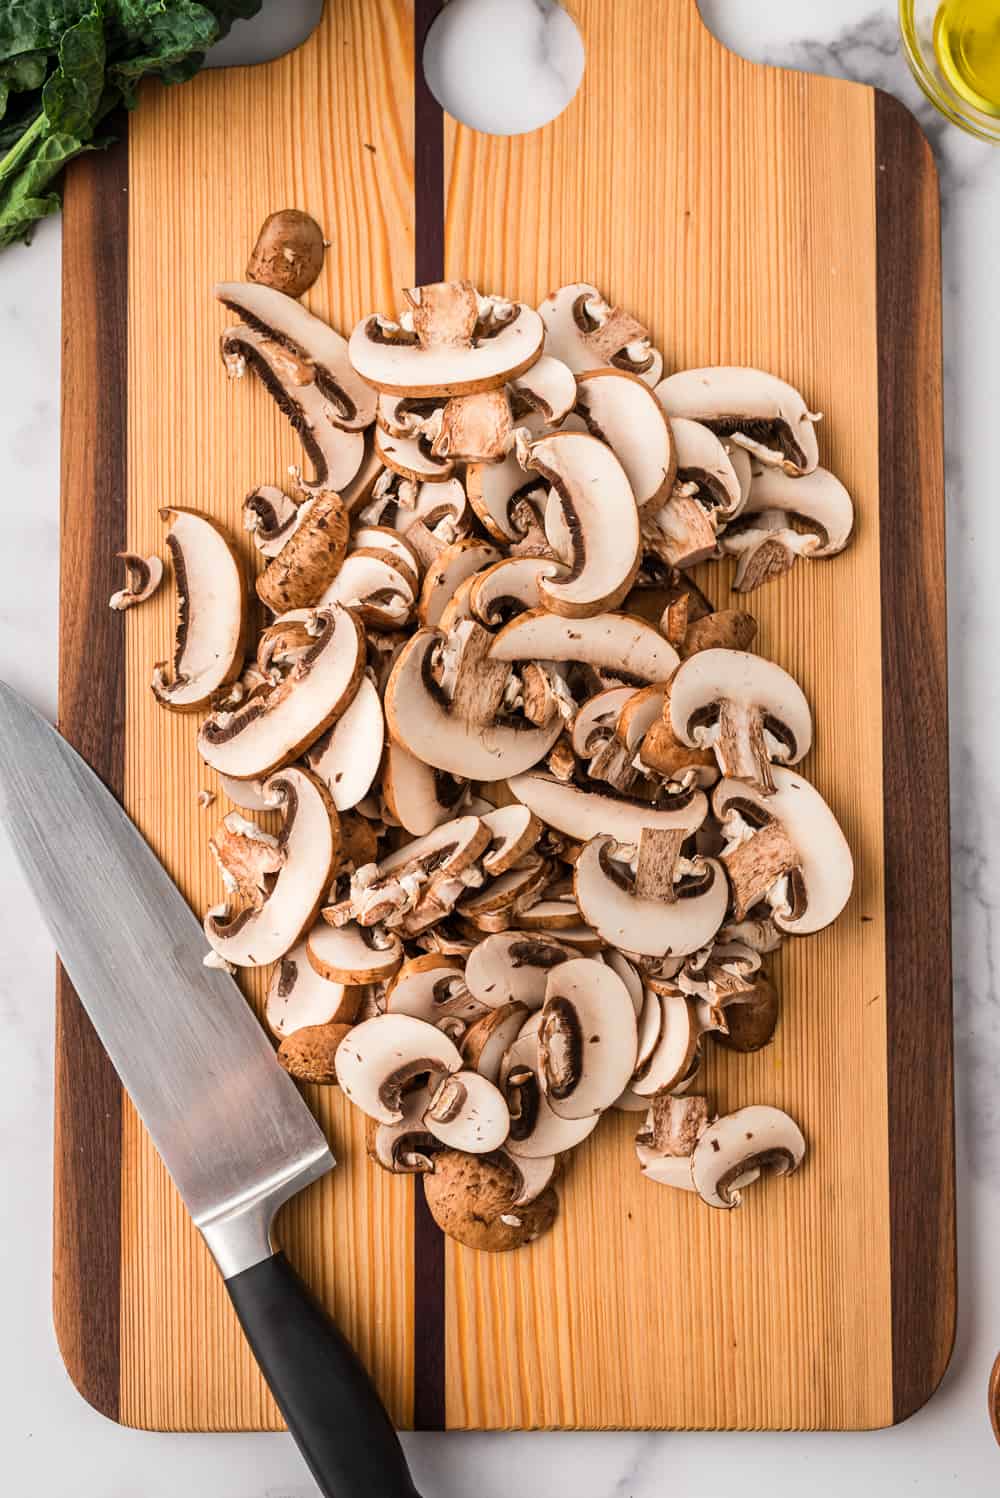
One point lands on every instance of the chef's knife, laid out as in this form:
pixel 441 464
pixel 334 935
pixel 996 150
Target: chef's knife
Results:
pixel 230 1125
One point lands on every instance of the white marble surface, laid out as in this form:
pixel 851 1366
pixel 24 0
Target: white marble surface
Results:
pixel 54 1444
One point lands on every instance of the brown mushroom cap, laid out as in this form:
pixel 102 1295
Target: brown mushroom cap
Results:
pixel 310 1054
pixel 289 252
pixel 472 1199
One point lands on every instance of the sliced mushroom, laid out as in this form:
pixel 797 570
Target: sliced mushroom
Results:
pixel 475 428
pixel 501 901
pixel 383 538
pixel 706 468
pixel 289 252
pixel 409 416
pixel 467 1112
pixel 756 931
pixel 749 1018
pixel 596 720
pixel 652 925
pixel 382 1056
pixel 248 795
pixel 375 585
pixel 674 1125
pixel 406 1147
pixel 513 967
pixel 489 1038
pixel 459 344
pixel 547 389
pixel 583 814
pixel 514 831
pixel 616 646
pixel 506 499
pixel 751 1139
pixel 143 575
pixel 509 587
pixel 432 987
pixel 536 1131
pixel 752 409
pixel 591 522
pixel 310 844
pixel 316 355
pixel 413 458
pixel 586 333
pixel 297 997
pixel 665 1170
pixel 271 516
pixel 473 1200
pixel 681 533
pixel 787 849
pixel 406 507
pixel 445 734
pixel 419 797
pixel 676 1048
pixel 785 518
pixel 627 972
pixel 347 757
pixel 621 410
pixel 276 727
pixel 211 612
pixel 453 566
pixel 748 710
pixel 587 1042
pixel 299 574
pixel 354 954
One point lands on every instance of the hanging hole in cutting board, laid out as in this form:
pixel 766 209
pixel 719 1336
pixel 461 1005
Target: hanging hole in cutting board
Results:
pixel 504 66
pixel 277 29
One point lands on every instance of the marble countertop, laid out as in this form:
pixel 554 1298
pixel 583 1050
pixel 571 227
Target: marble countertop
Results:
pixel 55 1444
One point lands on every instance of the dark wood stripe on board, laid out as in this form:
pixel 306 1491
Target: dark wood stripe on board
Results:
pixel 87 1226
pixel 915 737
pixel 428 1240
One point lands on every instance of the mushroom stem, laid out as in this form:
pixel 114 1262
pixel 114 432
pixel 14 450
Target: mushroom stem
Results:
pixel 755 865
pixel 659 850
pixel 740 746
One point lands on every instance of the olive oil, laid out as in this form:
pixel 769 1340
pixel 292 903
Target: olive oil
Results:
pixel 967 47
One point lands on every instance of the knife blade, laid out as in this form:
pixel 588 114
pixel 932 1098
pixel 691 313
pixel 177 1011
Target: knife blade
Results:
pixel 228 1122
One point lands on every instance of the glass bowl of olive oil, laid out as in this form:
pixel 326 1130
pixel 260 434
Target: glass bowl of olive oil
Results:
pixel 953 47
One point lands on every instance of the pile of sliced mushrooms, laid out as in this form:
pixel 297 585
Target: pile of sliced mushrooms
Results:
pixel 539 821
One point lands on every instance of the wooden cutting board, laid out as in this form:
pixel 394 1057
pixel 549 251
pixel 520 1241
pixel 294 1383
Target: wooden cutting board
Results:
pixel 750 216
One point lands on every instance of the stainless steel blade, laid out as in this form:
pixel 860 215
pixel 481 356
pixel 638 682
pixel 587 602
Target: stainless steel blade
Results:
pixel 230 1125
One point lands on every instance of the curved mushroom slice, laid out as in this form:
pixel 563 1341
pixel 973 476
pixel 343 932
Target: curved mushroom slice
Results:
pixel 298 998
pixel 509 587
pixel 638 712
pixel 504 497
pixel 419 797
pixel 143 575
pixel 743 464
pixel 621 410
pixel 533 1176
pixel 406 1147
pixel 432 988
pixel 316 354
pixel 587 1043
pixel 752 409
pixel 735 1149
pixel 514 831
pixel 335 452
pixel 381 1056
pixel 676 1048
pixel 377 586
pixel 555 912
pixel 413 458
pixel 748 710
pixel 383 538
pixel 447 849
pixel 276 727
pixel 786 848
pixel 271 516
pixel 409 416
pixel 444 734
pixel 586 333
pixel 706 469
pixel 453 566
pixel 352 954
pixel 591 521
pixel 628 973
pixel 346 758
pixel 299 574
pixel 596 720
pixel 547 390
pixel 617 646
pixel 487 1041
pixel 536 1131
pixel 513 967
pixel 467 1112
pixel 248 795
pixel 785 518
pixel 475 428
pixel 211 612
pixel 749 1018
pixel 583 814
pixel 654 924
pixel 501 901
pixel 460 344
pixel 403 506
pixel 309 843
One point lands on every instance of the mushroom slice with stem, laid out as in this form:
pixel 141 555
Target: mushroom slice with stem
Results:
pixel 705 468
pixel 467 1112
pixel 748 710
pixel 618 647
pixel 679 920
pixel 513 967
pixel 505 498
pixel 510 587
pixel 536 1131
pixel 752 1139
pixel 596 720
pixel 382 1056
pixel 375 585
pixel 432 987
pixel 413 458
pixel 298 575
pixel 403 505
pixel 675 1050
pixel 271 516
pixel 353 954
pixel 473 1198
pixel 583 814
pixel 463 734
pixel 297 997
pixel 547 390
pixel 276 727
pixel 514 831
pixel 347 757
pixel 409 416
pixel 316 355
pixel 454 564
pixel 418 796
pixel 585 332
pixel 211 612
pixel 587 1043
pixel 621 410
pixel 489 1038
pixel 475 428
pixel 309 843
pixel 786 518
pixel 786 849
pixel 681 533
pixel 336 453
pixel 752 409
pixel 383 538
pixel 591 521
pixel 406 1147
pixel 143 575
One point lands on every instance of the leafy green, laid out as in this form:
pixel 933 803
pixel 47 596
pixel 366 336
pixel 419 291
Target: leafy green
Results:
pixel 66 64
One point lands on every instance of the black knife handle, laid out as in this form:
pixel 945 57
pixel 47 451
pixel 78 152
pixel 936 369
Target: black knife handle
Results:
pixel 329 1403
